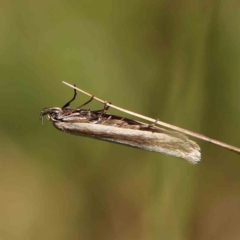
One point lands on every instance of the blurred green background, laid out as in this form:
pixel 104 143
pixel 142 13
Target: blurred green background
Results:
pixel 173 60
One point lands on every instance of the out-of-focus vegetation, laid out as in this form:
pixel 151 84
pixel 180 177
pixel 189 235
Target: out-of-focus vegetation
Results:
pixel 173 60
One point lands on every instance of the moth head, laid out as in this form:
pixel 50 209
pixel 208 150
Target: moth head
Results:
pixel 51 112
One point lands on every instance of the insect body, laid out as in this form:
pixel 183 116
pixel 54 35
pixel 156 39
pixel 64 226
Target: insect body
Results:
pixel 112 128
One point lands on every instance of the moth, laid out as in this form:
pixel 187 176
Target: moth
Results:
pixel 99 124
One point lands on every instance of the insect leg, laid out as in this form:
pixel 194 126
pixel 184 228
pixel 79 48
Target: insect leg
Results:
pixel 74 96
pixel 86 102
pixel 103 111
